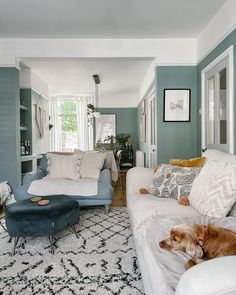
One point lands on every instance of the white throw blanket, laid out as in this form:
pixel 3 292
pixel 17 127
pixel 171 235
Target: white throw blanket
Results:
pixel 5 192
pixel 169 266
pixel 81 187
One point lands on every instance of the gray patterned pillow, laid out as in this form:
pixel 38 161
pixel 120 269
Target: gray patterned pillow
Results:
pixel 173 181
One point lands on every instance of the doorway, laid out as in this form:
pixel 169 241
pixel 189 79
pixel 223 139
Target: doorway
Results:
pixel 152 128
pixel 217 104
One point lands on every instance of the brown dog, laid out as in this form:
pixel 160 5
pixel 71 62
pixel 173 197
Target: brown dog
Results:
pixel 201 242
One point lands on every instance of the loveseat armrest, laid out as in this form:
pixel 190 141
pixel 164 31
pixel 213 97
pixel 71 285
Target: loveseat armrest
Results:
pixel 138 177
pixel 30 176
pixel 216 276
pixel 105 176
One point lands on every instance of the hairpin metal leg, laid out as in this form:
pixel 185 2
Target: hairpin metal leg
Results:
pixel 16 239
pixel 51 244
pixel 74 230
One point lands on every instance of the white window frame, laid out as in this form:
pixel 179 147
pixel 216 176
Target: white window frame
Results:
pixel 227 53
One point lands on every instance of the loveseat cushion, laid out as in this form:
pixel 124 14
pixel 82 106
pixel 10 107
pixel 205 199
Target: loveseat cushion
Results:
pixel 63 166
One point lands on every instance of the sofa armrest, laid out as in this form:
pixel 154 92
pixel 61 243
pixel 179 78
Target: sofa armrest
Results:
pixel 138 177
pixel 30 176
pixel 216 276
pixel 105 176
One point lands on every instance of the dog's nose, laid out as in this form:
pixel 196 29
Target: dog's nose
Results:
pixel 162 244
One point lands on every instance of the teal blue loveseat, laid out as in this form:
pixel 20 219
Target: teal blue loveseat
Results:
pixel 105 189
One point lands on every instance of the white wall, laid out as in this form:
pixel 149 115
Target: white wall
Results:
pixel 118 101
pixel 40 145
pixel 217 29
pixel 165 50
pixel 30 79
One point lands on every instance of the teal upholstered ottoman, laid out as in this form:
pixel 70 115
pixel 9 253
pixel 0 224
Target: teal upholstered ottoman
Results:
pixel 26 218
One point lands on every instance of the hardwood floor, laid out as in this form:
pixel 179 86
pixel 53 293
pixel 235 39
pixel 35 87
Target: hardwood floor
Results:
pixel 119 199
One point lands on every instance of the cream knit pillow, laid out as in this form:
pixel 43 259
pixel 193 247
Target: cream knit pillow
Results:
pixel 214 190
pixel 91 165
pixel 63 166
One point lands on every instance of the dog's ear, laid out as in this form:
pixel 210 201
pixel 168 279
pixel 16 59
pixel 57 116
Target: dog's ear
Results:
pixel 200 232
pixel 194 250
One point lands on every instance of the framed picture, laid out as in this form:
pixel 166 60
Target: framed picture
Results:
pixel 177 105
pixel 105 126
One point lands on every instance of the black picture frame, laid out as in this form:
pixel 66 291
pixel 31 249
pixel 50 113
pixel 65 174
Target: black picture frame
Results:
pixel 177 105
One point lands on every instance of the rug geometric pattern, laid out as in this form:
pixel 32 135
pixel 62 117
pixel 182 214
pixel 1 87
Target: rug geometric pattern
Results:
pixel 101 261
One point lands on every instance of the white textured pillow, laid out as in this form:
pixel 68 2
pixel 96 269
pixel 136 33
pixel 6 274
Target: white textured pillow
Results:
pixel 214 190
pixel 91 165
pixel 173 181
pixel 63 166
pixel 233 211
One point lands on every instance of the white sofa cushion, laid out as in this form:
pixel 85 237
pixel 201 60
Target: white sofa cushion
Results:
pixel 63 166
pixel 214 190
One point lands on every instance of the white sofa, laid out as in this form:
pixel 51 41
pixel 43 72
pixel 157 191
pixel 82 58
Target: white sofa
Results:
pixel 163 272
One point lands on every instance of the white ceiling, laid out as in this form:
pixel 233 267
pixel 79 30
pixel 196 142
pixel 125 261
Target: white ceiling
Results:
pixel 105 18
pixel 118 76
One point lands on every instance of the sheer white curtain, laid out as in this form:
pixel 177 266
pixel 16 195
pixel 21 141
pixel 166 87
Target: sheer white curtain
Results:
pixel 85 130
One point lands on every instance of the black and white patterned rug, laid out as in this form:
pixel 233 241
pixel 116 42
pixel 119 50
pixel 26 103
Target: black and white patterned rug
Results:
pixel 102 261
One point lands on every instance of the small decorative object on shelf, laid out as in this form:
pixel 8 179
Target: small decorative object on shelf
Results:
pixel 25 149
pixel 22 149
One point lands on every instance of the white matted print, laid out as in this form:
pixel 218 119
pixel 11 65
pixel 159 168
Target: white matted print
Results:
pixel 105 126
pixel 177 105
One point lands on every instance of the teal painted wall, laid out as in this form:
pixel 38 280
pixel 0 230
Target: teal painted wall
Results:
pixel 226 43
pixel 126 122
pixel 9 120
pixel 176 139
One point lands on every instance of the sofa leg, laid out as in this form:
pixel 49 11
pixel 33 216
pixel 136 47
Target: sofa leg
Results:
pixel 10 239
pixel 107 208
pixel 15 244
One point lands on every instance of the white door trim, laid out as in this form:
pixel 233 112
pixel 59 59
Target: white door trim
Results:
pixel 227 53
pixel 150 95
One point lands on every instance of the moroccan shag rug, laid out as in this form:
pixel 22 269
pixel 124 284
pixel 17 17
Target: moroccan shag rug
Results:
pixel 102 261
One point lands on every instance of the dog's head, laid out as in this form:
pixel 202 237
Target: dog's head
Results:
pixel 185 238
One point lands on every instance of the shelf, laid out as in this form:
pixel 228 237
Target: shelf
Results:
pixel 22 107
pixel 23 128
pixel 30 158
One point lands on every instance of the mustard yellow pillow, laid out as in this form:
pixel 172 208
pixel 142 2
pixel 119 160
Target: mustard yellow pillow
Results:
pixel 195 162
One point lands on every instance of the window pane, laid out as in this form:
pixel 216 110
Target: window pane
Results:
pixel 211 112
pixel 223 107
pixel 67 135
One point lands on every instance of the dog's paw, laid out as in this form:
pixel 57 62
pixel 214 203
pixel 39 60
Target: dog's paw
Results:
pixel 190 263
pixel 184 201
pixel 143 191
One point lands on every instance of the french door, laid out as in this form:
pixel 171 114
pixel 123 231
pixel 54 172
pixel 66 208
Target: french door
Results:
pixel 217 106
pixel 152 129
